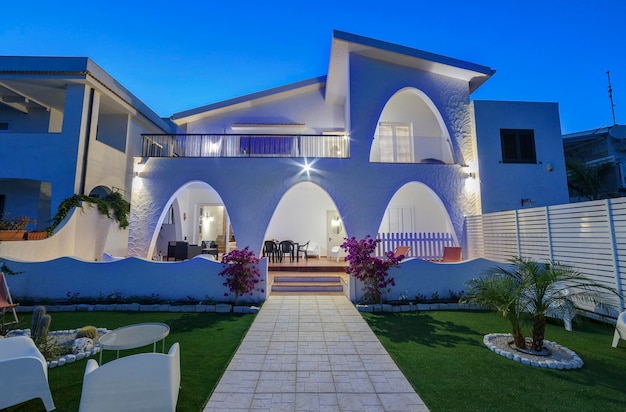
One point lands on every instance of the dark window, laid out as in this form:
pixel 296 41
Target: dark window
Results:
pixel 518 146
pixel 4 126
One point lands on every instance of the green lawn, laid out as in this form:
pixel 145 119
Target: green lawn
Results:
pixel 207 343
pixel 443 356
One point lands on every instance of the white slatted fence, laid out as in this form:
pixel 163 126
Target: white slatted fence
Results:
pixel 588 236
pixel 426 245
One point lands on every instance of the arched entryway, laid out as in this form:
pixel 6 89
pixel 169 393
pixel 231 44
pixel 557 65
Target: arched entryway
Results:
pixel 194 213
pixel 306 213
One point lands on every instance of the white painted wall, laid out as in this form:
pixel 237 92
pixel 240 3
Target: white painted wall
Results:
pixel 306 107
pixel 85 234
pixel 197 277
pixel 502 186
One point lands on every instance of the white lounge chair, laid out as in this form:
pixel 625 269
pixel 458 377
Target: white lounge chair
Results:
pixel 620 329
pixel 313 249
pixel 23 373
pixel 143 382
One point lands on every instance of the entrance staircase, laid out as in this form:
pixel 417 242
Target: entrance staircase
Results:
pixel 307 280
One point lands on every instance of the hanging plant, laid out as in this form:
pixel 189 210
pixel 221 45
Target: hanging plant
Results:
pixel 112 203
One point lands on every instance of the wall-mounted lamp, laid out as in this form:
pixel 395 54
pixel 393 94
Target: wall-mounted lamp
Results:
pixel 466 170
pixel 138 168
pixel 527 202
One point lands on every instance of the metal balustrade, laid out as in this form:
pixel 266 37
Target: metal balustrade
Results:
pixel 248 145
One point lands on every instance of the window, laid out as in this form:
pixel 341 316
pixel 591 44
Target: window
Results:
pixel 518 146
pixel 395 143
pixel 4 126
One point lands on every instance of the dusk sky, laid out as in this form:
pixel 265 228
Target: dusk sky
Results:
pixel 178 55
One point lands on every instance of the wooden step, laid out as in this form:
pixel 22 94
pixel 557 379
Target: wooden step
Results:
pixel 307 284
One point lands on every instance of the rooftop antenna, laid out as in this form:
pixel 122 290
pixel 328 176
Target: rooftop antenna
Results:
pixel 608 74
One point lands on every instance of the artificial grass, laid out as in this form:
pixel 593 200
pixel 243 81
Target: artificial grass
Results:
pixel 442 354
pixel 207 343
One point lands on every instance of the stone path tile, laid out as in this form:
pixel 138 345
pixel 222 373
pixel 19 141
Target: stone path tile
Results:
pixel 312 353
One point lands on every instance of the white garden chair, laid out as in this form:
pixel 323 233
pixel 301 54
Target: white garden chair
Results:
pixel 23 373
pixel 143 382
pixel 620 329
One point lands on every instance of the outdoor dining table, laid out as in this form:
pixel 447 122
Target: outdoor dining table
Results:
pixel 134 336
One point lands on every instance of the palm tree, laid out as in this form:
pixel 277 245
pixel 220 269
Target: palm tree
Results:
pixel 555 288
pixel 500 289
pixel 535 288
pixel 585 180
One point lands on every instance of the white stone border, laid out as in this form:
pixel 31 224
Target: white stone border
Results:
pixel 69 358
pixel 574 361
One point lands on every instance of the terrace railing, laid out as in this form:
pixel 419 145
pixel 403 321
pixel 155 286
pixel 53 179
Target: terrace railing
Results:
pixel 245 145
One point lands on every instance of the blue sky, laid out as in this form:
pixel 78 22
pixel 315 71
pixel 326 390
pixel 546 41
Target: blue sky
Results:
pixel 179 55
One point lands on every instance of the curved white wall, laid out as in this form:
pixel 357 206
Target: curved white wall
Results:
pixel 85 234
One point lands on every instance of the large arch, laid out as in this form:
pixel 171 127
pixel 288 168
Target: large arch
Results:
pixel 183 224
pixel 301 216
pixel 410 129
pixel 416 208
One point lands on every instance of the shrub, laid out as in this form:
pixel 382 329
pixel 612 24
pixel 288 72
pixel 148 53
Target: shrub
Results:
pixel 242 276
pixel 87 332
pixel 371 270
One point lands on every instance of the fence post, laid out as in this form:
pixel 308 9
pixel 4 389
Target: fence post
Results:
pixel 549 230
pixel 618 276
pixel 517 234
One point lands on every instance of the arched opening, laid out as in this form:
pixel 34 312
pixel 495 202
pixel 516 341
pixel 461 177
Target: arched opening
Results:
pixel 411 130
pixel 416 217
pixel 99 192
pixel 195 214
pixel 306 213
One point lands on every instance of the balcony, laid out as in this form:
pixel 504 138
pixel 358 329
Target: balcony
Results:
pixel 246 145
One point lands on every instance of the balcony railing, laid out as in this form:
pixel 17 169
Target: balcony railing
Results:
pixel 249 145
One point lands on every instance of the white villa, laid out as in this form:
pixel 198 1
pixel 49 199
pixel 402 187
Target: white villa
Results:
pixel 387 142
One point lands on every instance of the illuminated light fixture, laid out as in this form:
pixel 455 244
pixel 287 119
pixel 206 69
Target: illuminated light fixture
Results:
pixel 465 169
pixel 138 167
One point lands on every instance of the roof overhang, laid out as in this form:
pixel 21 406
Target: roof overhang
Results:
pixel 249 100
pixel 345 44
pixel 30 80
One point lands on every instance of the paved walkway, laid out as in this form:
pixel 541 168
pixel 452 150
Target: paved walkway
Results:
pixel 312 353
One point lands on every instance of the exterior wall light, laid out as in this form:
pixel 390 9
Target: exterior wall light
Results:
pixel 138 168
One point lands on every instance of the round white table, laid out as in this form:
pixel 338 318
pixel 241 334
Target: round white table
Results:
pixel 134 336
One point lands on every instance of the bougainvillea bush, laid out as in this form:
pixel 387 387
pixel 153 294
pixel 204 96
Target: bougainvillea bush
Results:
pixel 369 269
pixel 241 273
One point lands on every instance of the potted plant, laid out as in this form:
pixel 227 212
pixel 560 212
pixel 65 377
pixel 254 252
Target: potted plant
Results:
pixel 14 228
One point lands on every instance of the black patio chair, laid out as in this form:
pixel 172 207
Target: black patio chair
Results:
pixel 303 249
pixel 270 249
pixel 286 247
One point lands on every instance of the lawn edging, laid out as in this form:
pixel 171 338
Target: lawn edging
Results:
pixel 410 307
pixel 136 307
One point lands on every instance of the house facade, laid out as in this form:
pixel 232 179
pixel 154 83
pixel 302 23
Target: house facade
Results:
pixel 387 143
